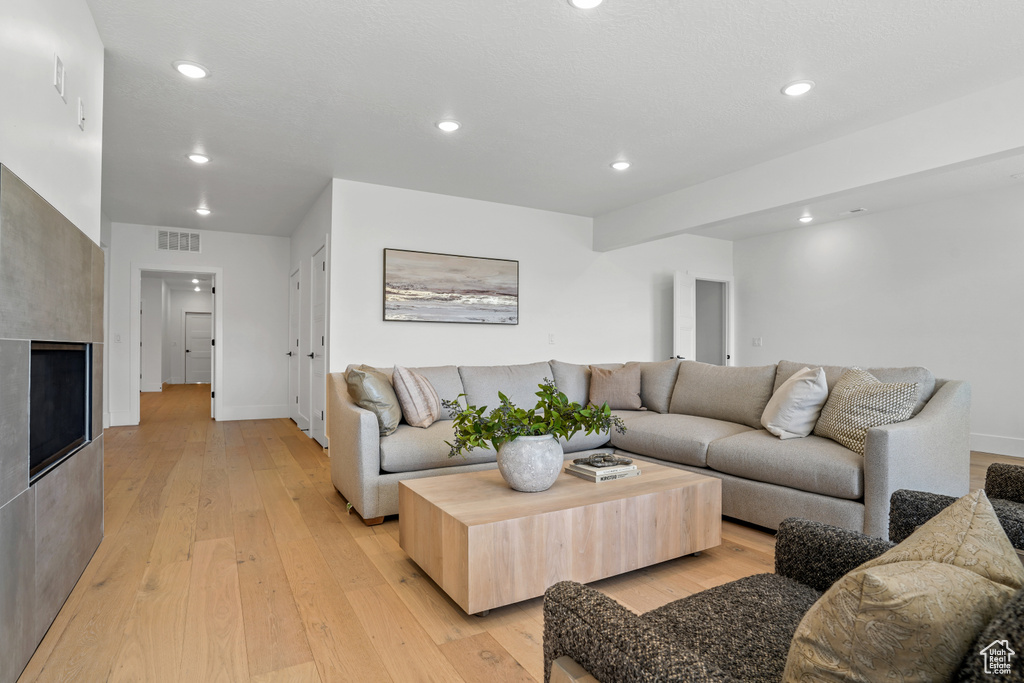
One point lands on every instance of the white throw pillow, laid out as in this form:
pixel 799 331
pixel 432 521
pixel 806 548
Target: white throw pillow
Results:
pixel 793 410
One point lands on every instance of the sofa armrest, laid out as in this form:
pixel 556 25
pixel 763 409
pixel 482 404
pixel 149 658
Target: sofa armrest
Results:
pixel 613 643
pixel 930 452
pixel 1006 481
pixel 355 448
pixel 817 554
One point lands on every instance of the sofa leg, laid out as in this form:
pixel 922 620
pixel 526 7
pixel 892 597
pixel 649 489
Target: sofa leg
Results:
pixel 373 521
pixel 696 554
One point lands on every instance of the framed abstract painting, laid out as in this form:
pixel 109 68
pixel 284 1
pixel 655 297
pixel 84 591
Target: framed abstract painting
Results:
pixel 421 286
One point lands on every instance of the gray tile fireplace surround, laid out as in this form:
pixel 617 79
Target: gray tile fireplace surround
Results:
pixel 51 289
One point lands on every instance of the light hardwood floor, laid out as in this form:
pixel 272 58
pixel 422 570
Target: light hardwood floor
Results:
pixel 229 556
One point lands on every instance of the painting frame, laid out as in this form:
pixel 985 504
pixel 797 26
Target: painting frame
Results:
pixel 434 287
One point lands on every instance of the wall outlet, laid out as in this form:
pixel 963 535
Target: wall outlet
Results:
pixel 117 338
pixel 758 341
pixel 551 337
pixel 58 76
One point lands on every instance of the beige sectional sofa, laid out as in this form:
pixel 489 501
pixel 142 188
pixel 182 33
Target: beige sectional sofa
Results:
pixel 697 417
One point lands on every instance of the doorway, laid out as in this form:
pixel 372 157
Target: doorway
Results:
pixel 318 348
pixel 701 325
pixel 294 353
pixel 198 351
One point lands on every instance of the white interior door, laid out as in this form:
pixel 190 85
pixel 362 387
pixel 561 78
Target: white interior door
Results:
pixel 198 351
pixel 684 317
pixel 318 348
pixel 294 310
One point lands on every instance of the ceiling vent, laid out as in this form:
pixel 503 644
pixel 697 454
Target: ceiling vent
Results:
pixel 169 240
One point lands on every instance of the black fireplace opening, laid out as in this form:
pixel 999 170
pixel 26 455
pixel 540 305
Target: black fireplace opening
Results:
pixel 60 398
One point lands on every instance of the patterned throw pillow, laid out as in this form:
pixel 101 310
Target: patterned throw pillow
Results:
pixel 912 613
pixel 619 388
pixel 421 405
pixel 859 402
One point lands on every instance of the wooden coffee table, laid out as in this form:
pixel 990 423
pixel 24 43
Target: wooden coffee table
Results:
pixel 486 545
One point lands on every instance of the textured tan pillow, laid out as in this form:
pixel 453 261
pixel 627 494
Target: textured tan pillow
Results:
pixel 911 613
pixel 371 389
pixel 794 408
pixel 619 388
pixel 859 402
pixel 421 405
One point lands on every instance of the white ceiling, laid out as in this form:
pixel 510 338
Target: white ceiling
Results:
pixel 306 90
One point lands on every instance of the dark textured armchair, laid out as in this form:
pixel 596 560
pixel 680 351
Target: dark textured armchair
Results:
pixel 740 631
pixel 1004 486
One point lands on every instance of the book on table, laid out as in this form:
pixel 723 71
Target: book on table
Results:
pixel 602 473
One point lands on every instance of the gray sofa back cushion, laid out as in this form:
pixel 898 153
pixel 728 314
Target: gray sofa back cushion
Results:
pixel 518 382
pixel 656 381
pixel 922 376
pixel 573 379
pixel 412 449
pixel 723 393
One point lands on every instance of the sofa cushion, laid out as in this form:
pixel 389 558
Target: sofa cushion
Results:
pixel 518 382
pixel 420 405
pixel 813 464
pixel 446 382
pixel 411 449
pixel 676 438
pixel 656 381
pixel 723 393
pixel 573 380
pixel 372 390
pixel 716 624
pixel 581 441
pixel 859 402
pixel 923 377
pixel 793 409
pixel 619 388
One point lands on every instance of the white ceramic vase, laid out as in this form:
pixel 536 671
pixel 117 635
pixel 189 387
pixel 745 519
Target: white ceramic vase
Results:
pixel 531 463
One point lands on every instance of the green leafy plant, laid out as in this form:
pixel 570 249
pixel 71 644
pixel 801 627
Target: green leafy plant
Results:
pixel 554 414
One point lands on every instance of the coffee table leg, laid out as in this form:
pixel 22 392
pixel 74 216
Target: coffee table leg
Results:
pixel 482 614
pixel 696 554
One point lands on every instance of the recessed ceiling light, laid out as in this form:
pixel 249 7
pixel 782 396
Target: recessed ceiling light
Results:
pixel 203 211
pixel 620 165
pixel 197 289
pixel 191 69
pixel 1018 176
pixel 199 158
pixel 195 281
pixel 806 219
pixel 585 4
pixel 797 88
pixel 449 126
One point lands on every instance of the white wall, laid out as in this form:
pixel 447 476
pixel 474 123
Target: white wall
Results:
pixel 253 295
pixel 308 237
pixel 599 306
pixel 151 351
pixel 39 136
pixel 939 285
pixel 182 302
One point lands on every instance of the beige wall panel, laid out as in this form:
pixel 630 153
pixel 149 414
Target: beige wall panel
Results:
pixel 97 293
pixel 17 587
pixel 69 527
pixel 45 268
pixel 14 373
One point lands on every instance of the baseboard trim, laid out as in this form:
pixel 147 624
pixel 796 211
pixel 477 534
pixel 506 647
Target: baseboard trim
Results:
pixel 152 387
pixel 229 413
pixel 999 445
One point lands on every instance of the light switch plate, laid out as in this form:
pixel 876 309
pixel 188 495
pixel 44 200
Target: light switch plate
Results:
pixel 58 76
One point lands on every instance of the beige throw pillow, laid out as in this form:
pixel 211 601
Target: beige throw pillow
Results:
pixel 859 402
pixel 421 405
pixel 619 388
pixel 912 613
pixel 371 389
pixel 794 408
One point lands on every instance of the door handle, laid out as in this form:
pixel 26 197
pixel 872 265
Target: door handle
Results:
pixel 289 354
pixel 188 351
pixel 310 355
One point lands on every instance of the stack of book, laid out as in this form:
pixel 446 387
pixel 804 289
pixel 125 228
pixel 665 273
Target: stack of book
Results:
pixel 591 473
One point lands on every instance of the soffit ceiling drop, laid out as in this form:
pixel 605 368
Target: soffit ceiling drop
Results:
pixel 548 96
